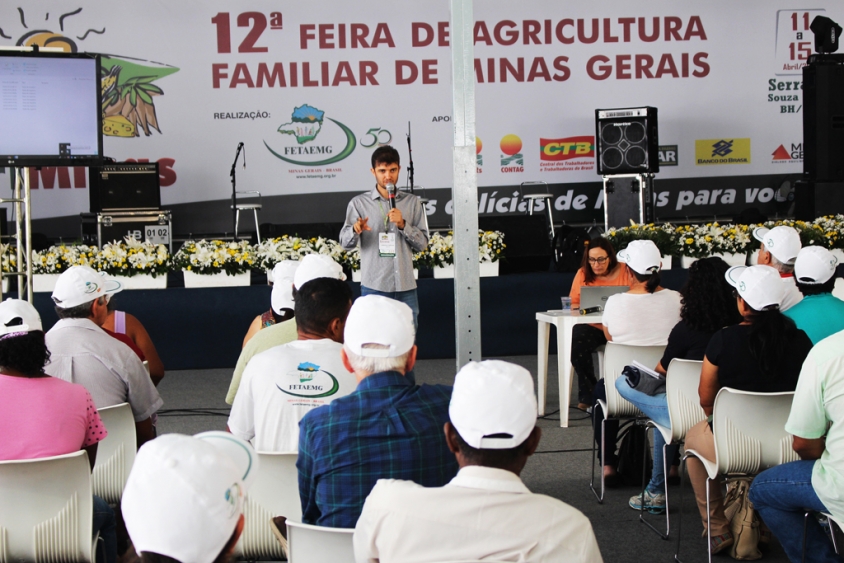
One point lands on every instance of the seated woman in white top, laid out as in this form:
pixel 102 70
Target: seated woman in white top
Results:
pixel 642 316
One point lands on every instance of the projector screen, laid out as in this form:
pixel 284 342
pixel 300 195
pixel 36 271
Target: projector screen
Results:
pixel 50 109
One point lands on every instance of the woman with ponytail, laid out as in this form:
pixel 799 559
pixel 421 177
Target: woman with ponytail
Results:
pixel 642 316
pixel 764 353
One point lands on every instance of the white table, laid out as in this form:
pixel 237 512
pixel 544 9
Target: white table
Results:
pixel 564 321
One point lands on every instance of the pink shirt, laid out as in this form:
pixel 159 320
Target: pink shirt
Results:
pixel 45 416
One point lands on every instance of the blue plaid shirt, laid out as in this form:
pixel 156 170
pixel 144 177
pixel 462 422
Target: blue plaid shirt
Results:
pixel 387 429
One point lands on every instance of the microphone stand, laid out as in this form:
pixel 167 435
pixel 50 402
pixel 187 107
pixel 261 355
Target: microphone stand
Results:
pixel 410 159
pixel 234 190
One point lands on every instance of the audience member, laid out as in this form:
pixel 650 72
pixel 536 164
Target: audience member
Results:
pixel 819 314
pixel 782 493
pixel 311 267
pixel 81 352
pixel 486 511
pixel 600 267
pixel 780 247
pixel 283 383
pixel 643 316
pixel 281 302
pixel 123 324
pixel 762 354
pixel 183 500
pixel 41 416
pixel 387 428
pixel 708 305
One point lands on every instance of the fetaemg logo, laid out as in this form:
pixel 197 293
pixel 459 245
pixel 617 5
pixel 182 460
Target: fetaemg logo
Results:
pixel 309 381
pixel 299 144
pixel 722 151
pixel 783 156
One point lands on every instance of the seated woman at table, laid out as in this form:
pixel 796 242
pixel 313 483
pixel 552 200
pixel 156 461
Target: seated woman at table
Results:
pixel 764 353
pixel 43 416
pixel 643 316
pixel 708 306
pixel 281 300
pixel 600 267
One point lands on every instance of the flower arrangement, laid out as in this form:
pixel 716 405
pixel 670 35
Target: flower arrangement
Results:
pixel 215 256
pixel 440 250
pixel 490 245
pixel 662 235
pixel 9 258
pixel 351 258
pixel 700 241
pixel 132 257
pixel 832 227
pixel 57 259
pixel 272 251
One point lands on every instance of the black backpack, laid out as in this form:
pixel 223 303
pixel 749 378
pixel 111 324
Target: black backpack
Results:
pixel 569 245
pixel 633 455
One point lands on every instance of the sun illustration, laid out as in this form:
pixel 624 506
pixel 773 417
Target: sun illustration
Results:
pixel 126 82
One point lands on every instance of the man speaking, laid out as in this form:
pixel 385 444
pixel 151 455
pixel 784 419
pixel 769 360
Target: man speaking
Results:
pixel 390 226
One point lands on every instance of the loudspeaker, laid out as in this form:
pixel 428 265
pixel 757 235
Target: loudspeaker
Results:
pixel 124 186
pixel 823 118
pixel 626 140
pixel 526 236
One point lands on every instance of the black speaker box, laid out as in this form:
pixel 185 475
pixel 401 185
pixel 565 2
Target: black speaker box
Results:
pixel 626 140
pixel 526 237
pixel 124 186
pixel 823 118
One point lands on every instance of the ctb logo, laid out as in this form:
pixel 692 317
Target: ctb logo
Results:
pixel 566 148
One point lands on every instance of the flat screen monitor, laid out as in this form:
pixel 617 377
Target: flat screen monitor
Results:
pixel 50 109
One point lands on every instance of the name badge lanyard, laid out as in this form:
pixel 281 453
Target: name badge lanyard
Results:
pixel 386 240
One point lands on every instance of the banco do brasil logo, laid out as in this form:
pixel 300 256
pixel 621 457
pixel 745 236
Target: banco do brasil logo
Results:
pixel 312 139
pixel 722 151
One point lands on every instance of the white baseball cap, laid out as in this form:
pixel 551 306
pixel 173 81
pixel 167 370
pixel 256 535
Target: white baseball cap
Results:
pixel 18 317
pixel 184 495
pixel 642 256
pixel 492 398
pixel 759 286
pixel 315 266
pixel 83 284
pixel 814 265
pixel 783 242
pixel 374 319
pixel 282 276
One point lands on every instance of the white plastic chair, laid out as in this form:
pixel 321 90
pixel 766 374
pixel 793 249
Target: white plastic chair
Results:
pixel 47 509
pixel 317 544
pixel 115 454
pixel 684 411
pixel 616 356
pixel 750 436
pixel 275 492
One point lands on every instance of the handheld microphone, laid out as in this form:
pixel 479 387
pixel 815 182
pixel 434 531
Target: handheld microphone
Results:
pixel 391 195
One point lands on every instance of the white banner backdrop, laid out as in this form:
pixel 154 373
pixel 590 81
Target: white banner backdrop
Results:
pixel 312 88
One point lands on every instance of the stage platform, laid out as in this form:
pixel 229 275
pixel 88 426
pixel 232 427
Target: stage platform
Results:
pixel 204 328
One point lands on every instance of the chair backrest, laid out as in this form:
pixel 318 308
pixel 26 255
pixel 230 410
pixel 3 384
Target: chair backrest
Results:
pixel 47 509
pixel 115 454
pixel 275 492
pixel 318 544
pixel 681 384
pixel 749 430
pixel 616 356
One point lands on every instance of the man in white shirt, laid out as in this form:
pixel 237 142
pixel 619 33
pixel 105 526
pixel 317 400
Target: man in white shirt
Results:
pixel 81 352
pixel 485 512
pixel 779 250
pixel 783 493
pixel 283 383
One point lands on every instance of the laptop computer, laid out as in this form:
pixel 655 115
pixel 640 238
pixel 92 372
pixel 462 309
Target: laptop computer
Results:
pixel 596 296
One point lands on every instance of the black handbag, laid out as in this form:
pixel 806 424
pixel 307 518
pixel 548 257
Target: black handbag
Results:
pixel 643 382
